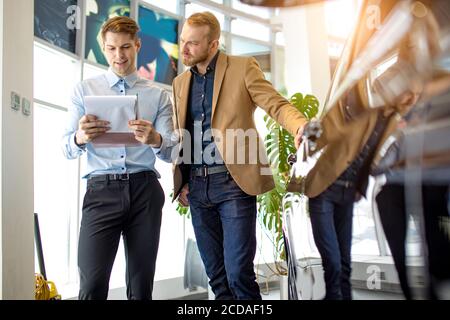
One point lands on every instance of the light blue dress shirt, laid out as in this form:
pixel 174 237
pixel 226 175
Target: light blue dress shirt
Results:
pixel 154 104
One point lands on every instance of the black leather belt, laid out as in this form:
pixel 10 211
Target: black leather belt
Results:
pixel 345 183
pixel 122 176
pixel 206 171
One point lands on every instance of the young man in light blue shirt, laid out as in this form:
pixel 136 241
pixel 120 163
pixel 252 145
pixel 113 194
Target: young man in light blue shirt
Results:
pixel 123 194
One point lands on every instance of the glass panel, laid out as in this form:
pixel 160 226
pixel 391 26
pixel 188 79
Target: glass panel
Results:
pixel 250 29
pixel 171 253
pixel 364 236
pixel 255 10
pixel 243 47
pixel 97 12
pixel 55 195
pixel 192 8
pixel 55 75
pixel 57 22
pixel 223 41
pixel 158 57
pixel 90 71
pixel 169 5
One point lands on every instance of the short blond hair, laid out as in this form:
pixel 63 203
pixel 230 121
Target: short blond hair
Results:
pixel 120 25
pixel 206 18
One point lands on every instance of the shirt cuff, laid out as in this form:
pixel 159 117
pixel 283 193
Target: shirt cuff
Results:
pixel 161 147
pixel 75 145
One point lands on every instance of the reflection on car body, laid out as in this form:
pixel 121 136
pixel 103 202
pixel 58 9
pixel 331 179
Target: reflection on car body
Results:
pixel 404 64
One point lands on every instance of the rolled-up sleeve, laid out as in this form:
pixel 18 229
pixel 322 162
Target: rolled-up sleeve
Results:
pixel 76 110
pixel 164 125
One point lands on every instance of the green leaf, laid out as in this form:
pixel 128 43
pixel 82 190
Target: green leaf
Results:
pixel 308 105
pixel 279 145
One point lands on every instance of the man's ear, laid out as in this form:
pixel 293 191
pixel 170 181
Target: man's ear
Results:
pixel 138 44
pixel 214 44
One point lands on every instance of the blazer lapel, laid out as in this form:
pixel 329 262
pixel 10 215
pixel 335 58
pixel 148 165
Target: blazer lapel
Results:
pixel 183 99
pixel 221 66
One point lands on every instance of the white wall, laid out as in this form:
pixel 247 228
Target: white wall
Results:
pixel 16 176
pixel 307 63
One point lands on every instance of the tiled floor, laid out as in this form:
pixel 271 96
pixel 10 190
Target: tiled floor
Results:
pixel 358 294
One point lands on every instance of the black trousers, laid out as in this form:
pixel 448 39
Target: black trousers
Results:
pixel 393 216
pixel 132 208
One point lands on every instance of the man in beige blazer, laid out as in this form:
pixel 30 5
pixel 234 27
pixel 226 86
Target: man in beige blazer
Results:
pixel 221 165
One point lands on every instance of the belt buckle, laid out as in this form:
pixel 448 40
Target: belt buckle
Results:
pixel 119 177
pixel 204 171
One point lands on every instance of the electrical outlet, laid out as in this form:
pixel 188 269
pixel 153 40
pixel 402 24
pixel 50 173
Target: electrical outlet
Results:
pixel 15 100
pixel 26 107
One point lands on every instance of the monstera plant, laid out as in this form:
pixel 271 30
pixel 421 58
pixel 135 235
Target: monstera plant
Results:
pixel 279 145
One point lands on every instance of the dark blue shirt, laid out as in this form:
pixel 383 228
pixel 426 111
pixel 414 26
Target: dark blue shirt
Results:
pixel 203 150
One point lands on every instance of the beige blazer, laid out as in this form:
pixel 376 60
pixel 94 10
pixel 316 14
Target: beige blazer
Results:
pixel 239 87
pixel 346 131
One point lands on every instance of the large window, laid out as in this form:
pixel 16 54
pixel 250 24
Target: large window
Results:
pixel 250 29
pixel 168 5
pixel 193 7
pixel 54 75
pixel 55 184
pixel 90 71
pixel 255 10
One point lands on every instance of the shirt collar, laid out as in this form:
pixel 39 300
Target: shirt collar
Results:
pixel 113 78
pixel 211 65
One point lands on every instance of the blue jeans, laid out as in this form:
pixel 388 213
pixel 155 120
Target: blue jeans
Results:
pixel 224 220
pixel 331 219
